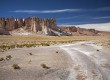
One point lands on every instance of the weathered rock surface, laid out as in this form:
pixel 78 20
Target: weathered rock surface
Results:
pixel 2 23
pixel 27 23
pixel 41 26
pixel 10 24
pixel 19 22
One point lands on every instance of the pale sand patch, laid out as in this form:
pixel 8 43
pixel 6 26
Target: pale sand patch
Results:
pixel 31 69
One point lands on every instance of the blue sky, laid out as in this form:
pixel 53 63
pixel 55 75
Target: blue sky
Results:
pixel 67 12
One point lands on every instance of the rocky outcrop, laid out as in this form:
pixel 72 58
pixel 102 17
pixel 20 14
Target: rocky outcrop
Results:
pixel 69 29
pixel 34 24
pixel 27 23
pixel 77 31
pixel 2 23
pixel 41 26
pixel 10 24
pixel 19 22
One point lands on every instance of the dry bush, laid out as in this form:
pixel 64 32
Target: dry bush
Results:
pixel 2 59
pixel 8 57
pixel 44 66
pixel 15 66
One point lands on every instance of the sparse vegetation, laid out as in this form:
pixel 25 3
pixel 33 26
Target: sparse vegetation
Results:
pixel 2 59
pixel 15 66
pixel 44 66
pixel 30 53
pixel 10 42
pixel 45 44
pixel 97 50
pixel 56 51
pixel 8 57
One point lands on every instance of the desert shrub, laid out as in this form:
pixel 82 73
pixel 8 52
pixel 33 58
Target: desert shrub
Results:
pixel 8 57
pixel 1 59
pixel 30 45
pixel 56 51
pixel 3 47
pixel 45 44
pixel 97 50
pixel 19 46
pixel 12 46
pixel 44 66
pixel 30 53
pixel 15 66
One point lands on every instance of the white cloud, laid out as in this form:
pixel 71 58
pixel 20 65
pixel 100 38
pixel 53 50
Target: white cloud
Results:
pixel 103 9
pixel 104 17
pixel 72 17
pixel 61 10
pixel 99 26
pixel 46 11
pixel 65 18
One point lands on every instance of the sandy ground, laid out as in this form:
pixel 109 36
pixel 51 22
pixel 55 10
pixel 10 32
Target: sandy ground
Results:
pixel 79 61
pixel 31 64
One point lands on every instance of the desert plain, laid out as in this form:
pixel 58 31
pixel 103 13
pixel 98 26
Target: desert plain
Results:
pixel 54 57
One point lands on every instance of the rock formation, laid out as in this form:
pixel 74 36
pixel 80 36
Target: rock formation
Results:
pixel 41 26
pixel 27 23
pixel 10 24
pixel 19 22
pixel 2 23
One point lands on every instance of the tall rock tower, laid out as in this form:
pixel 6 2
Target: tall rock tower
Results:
pixel 2 23
pixel 33 26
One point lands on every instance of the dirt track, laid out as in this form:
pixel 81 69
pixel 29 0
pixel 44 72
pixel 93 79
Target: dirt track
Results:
pixel 90 62
pixel 78 61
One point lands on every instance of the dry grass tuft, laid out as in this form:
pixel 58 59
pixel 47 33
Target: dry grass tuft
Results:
pixel 2 59
pixel 10 42
pixel 15 66
pixel 8 57
pixel 44 66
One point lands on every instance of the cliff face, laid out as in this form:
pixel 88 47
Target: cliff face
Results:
pixel 40 26
pixel 19 23
pixel 29 24
pixel 10 24
pixel 2 23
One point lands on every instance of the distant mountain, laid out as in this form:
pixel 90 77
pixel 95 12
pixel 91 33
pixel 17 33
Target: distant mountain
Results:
pixel 42 26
